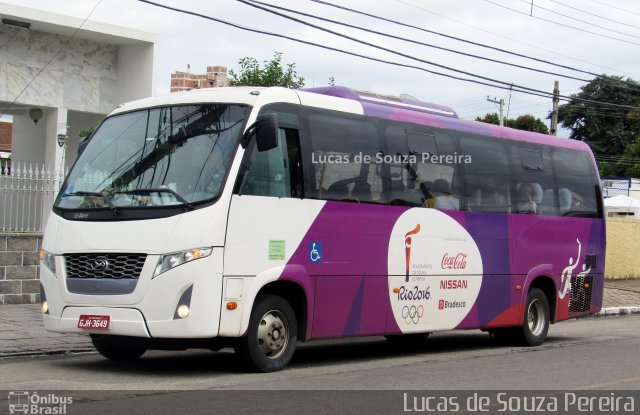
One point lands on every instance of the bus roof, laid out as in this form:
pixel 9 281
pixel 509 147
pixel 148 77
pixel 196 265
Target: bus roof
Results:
pixel 236 95
pixel 418 112
pixel 403 108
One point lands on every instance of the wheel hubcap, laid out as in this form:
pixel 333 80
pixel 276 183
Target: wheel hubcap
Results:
pixel 535 317
pixel 272 334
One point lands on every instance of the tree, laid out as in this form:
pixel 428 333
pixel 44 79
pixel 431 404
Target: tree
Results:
pixel 490 118
pixel 272 74
pixel 607 130
pixel 86 132
pixel 525 122
pixel 528 122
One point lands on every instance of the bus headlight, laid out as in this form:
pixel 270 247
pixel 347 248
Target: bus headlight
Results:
pixel 48 260
pixel 170 261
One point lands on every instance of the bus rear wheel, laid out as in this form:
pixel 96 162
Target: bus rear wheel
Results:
pixel 271 336
pixel 112 349
pixel 535 326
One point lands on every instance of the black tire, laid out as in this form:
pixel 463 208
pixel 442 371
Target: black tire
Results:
pixel 269 349
pixel 535 325
pixel 114 350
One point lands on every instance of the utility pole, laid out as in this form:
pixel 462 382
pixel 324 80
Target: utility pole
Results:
pixel 554 113
pixel 501 103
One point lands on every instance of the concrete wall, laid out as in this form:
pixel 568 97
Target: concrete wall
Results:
pixel 82 77
pixel 136 72
pixel 623 249
pixel 19 271
pixel 28 138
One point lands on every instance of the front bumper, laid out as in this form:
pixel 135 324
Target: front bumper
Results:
pixel 149 311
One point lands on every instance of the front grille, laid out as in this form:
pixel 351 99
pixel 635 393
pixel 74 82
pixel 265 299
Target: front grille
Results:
pixel 104 265
pixel 581 290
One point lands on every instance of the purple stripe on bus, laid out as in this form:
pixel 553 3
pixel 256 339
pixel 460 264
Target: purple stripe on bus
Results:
pixel 351 286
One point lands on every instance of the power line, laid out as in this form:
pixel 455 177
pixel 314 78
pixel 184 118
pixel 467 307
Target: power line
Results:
pixel 331 48
pixel 470 42
pixel 513 40
pixel 579 20
pixel 364 29
pixel 593 14
pixel 561 24
pixel 326 3
pixel 507 85
pixel 614 7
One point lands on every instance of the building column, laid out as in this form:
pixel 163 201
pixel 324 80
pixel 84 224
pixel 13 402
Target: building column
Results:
pixel 56 119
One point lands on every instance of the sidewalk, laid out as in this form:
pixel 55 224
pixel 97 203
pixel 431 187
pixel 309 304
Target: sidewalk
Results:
pixel 22 333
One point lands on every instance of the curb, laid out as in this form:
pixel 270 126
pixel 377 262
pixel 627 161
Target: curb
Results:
pixel 617 311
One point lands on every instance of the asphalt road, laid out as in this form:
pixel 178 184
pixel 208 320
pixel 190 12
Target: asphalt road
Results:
pixel 588 354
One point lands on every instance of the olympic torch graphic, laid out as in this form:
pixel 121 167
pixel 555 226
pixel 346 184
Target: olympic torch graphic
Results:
pixel 407 249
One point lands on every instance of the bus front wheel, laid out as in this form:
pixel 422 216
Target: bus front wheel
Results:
pixel 112 349
pixel 271 336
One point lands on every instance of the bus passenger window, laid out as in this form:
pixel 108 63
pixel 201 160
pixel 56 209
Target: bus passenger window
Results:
pixel 487 175
pixel 420 167
pixel 534 180
pixel 343 158
pixel 577 183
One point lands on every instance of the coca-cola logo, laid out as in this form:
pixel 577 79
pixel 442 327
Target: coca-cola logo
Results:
pixel 458 261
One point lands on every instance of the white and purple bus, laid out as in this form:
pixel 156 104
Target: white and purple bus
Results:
pixel 258 218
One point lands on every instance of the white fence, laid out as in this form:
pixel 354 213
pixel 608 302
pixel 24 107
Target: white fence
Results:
pixel 27 192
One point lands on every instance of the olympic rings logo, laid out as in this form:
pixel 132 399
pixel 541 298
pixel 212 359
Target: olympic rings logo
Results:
pixel 412 314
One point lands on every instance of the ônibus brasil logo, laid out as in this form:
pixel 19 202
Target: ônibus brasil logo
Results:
pixel 407 250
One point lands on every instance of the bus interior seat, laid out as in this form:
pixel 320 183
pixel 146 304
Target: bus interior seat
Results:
pixel 337 191
pixel 565 201
pixel 537 192
pixel 361 190
pixel 547 207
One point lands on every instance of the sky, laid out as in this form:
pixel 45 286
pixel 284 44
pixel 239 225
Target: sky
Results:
pixel 184 39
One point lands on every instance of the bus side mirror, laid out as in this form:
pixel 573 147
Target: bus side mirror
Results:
pixel 266 131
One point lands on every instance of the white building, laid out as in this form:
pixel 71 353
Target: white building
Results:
pixel 69 79
pixel 59 75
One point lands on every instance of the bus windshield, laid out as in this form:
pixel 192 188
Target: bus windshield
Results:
pixel 165 156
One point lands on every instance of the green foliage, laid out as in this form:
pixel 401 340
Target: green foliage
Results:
pixel 528 122
pixel 490 118
pixel 332 81
pixel 272 74
pixel 610 132
pixel 607 130
pixel 86 132
pixel 525 122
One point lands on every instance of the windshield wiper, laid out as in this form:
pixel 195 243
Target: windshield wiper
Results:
pixel 95 194
pixel 179 198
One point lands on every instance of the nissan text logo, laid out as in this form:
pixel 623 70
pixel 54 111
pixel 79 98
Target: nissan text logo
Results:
pixel 100 265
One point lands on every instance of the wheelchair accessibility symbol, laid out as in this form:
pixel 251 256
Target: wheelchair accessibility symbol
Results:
pixel 315 252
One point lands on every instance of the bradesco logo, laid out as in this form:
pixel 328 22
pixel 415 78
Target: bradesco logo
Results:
pixel 458 261
pixel 445 305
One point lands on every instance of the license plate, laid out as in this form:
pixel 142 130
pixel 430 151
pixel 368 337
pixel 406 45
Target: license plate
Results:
pixel 94 322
